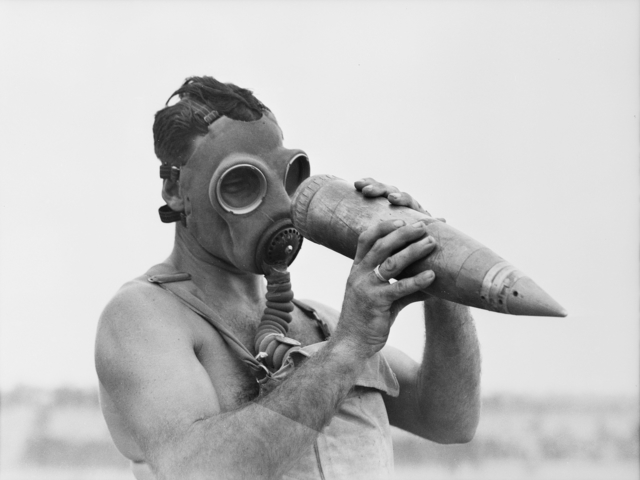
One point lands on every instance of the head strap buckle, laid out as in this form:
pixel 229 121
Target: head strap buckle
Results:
pixel 169 216
pixel 211 117
pixel 169 172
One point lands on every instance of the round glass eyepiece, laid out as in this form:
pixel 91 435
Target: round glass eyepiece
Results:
pixel 241 189
pixel 298 170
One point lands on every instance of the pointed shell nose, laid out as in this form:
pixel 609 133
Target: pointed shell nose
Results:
pixel 527 298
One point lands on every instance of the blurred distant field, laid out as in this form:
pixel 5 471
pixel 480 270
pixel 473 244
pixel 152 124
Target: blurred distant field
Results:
pixel 60 435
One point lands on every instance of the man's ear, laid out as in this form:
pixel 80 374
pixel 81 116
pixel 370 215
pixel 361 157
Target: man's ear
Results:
pixel 171 195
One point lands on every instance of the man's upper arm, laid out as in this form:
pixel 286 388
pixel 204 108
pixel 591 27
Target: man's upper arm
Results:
pixel 146 362
pixel 403 409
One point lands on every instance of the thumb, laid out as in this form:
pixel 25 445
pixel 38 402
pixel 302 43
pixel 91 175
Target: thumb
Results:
pixel 418 296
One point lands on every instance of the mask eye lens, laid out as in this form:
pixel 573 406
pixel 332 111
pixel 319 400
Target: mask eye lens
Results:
pixel 297 171
pixel 241 189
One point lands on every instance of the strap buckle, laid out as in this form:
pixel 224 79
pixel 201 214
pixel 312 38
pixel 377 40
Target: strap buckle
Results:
pixel 169 172
pixel 167 215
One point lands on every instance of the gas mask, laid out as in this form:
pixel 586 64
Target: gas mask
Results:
pixel 237 187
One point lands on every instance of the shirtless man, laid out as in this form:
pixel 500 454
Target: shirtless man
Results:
pixel 176 347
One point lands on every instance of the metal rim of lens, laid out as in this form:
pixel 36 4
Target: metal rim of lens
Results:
pixel 306 169
pixel 253 205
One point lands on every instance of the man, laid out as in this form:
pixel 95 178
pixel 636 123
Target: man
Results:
pixel 179 349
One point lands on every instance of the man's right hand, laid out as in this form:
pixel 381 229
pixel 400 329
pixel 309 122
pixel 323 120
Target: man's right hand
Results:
pixel 370 305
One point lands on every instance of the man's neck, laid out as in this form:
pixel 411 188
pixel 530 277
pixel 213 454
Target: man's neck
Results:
pixel 213 275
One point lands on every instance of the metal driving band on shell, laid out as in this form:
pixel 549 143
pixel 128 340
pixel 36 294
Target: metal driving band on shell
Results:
pixel 497 283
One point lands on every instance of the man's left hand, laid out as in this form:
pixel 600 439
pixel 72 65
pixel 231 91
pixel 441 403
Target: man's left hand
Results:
pixel 371 188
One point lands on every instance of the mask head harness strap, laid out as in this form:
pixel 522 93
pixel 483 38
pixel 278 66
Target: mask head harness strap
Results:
pixel 172 172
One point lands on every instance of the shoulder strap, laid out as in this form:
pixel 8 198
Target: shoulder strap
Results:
pixel 311 312
pixel 171 283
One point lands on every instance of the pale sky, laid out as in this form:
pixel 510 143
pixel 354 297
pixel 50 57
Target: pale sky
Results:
pixel 516 121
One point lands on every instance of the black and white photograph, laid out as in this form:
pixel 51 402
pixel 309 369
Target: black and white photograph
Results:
pixel 320 240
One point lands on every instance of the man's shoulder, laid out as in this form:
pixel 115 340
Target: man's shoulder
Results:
pixel 141 319
pixel 140 307
pixel 135 296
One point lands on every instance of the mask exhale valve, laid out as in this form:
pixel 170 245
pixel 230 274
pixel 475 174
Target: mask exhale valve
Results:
pixel 278 247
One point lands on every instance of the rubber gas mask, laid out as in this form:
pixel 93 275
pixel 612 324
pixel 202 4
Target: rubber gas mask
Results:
pixel 237 187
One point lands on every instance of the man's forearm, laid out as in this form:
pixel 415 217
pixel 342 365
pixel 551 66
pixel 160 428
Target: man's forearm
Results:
pixel 449 380
pixel 264 438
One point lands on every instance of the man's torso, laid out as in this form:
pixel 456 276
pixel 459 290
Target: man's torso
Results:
pixel 233 382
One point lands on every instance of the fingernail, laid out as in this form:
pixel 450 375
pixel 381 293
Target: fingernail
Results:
pixel 418 225
pixel 426 277
pixel 430 239
pixel 393 196
pixel 367 188
pixel 398 223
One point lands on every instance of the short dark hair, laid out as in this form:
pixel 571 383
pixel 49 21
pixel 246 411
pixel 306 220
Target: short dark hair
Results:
pixel 200 98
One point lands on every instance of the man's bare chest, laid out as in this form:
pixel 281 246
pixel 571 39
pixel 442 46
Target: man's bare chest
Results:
pixel 233 381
